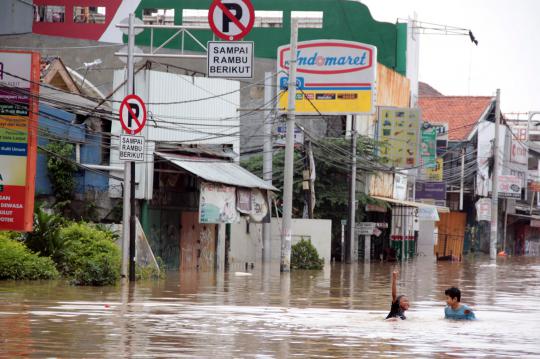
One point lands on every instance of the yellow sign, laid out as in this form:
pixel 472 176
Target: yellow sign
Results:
pixel 330 101
pixel 333 77
pixel 434 174
pixel 399 130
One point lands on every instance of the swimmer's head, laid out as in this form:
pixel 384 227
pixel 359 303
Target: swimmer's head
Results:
pixel 403 302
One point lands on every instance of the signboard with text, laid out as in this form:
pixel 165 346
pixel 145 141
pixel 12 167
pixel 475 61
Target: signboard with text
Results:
pixel 131 148
pixel 509 187
pixel 230 59
pixel 431 193
pixel 334 77
pixel 399 134
pixel 518 152
pixel 428 147
pixel 19 91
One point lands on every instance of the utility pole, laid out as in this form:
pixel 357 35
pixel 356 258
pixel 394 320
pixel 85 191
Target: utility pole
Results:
pixel 462 179
pixel 286 235
pixel 267 161
pixel 350 253
pixel 126 218
pixel 495 182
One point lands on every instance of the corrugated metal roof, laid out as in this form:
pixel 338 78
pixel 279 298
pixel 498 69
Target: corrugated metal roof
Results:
pixel 215 170
pixel 439 209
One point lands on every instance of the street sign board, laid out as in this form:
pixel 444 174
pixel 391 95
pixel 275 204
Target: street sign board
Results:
pixel 509 187
pixel 281 134
pixel 334 77
pixel 131 148
pixel 230 59
pixel 132 114
pixel 231 19
pixel 483 209
pixel 365 228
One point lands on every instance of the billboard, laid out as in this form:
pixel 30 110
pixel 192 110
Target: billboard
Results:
pixel 435 173
pixel 19 89
pixel 431 193
pixel 334 77
pixel 217 204
pixel 399 134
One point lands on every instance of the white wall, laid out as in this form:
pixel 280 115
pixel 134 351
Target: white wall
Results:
pixel 426 239
pixel 319 231
pixel 248 247
pixel 245 247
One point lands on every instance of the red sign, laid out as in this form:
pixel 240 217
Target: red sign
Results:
pixel 231 19
pixel 20 71
pixel 132 114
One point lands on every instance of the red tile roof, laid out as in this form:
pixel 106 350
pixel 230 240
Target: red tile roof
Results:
pixel 461 113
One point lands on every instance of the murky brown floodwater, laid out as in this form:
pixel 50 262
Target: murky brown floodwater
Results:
pixel 335 313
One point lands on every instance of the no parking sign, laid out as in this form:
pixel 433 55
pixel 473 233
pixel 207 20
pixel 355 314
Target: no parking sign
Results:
pixel 132 114
pixel 231 19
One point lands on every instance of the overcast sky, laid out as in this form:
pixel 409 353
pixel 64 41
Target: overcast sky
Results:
pixel 507 56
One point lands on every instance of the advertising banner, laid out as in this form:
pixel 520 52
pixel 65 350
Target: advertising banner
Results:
pixel 509 187
pixel 334 77
pixel 400 187
pixel 431 193
pixel 217 204
pixel 433 174
pixel 254 203
pixel 428 147
pixel 483 209
pixel 19 90
pixel 399 134
pixel 518 152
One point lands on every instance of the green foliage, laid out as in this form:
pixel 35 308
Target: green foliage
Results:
pixel 332 184
pixel 44 238
pixel 305 256
pixel 18 262
pixel 90 257
pixel 61 171
pixel 151 272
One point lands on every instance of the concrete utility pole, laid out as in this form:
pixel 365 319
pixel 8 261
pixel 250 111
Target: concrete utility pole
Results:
pixel 350 245
pixel 495 182
pixel 286 235
pixel 126 218
pixel 462 179
pixel 267 160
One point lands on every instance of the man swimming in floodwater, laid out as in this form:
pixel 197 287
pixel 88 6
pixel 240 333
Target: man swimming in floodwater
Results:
pixel 399 303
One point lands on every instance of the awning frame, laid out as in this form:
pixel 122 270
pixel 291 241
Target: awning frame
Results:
pixel 439 209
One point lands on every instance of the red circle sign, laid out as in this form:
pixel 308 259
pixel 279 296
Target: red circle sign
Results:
pixel 132 114
pixel 231 19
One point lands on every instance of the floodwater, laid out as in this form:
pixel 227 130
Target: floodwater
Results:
pixel 336 313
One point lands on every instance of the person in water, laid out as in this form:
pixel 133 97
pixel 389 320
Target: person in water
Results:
pixel 400 303
pixel 454 309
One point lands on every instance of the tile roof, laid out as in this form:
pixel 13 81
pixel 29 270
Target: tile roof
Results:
pixel 425 89
pixel 461 113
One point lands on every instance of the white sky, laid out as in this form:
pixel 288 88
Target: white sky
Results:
pixel 507 56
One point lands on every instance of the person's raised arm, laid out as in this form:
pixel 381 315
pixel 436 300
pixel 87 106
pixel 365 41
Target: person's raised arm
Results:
pixel 394 285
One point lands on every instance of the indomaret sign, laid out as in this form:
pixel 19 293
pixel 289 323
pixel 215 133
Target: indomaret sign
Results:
pixel 334 77
pixel 231 59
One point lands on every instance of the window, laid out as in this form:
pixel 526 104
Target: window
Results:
pixel 155 16
pixel 193 17
pixel 89 14
pixel 272 19
pixel 196 17
pixel 309 19
pixel 50 13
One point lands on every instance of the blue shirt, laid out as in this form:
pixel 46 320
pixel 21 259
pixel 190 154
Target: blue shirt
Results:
pixel 464 312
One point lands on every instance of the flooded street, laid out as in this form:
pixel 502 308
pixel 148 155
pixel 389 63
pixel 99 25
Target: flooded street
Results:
pixel 338 313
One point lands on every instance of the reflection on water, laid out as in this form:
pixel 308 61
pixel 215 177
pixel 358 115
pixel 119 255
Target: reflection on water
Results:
pixel 334 313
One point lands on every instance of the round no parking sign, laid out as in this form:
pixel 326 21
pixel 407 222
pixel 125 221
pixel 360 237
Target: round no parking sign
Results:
pixel 231 19
pixel 132 114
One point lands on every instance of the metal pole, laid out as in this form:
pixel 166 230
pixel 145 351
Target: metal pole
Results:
pixel 351 256
pixel 495 183
pixel 505 223
pixel 127 165
pixel 267 161
pixel 286 235
pixel 462 179
pixel 343 222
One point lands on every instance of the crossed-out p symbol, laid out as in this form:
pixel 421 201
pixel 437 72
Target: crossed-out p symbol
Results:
pixel 237 14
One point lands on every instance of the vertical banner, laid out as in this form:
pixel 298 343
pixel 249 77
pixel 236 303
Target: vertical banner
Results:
pixel 428 146
pixel 399 132
pixel 19 90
